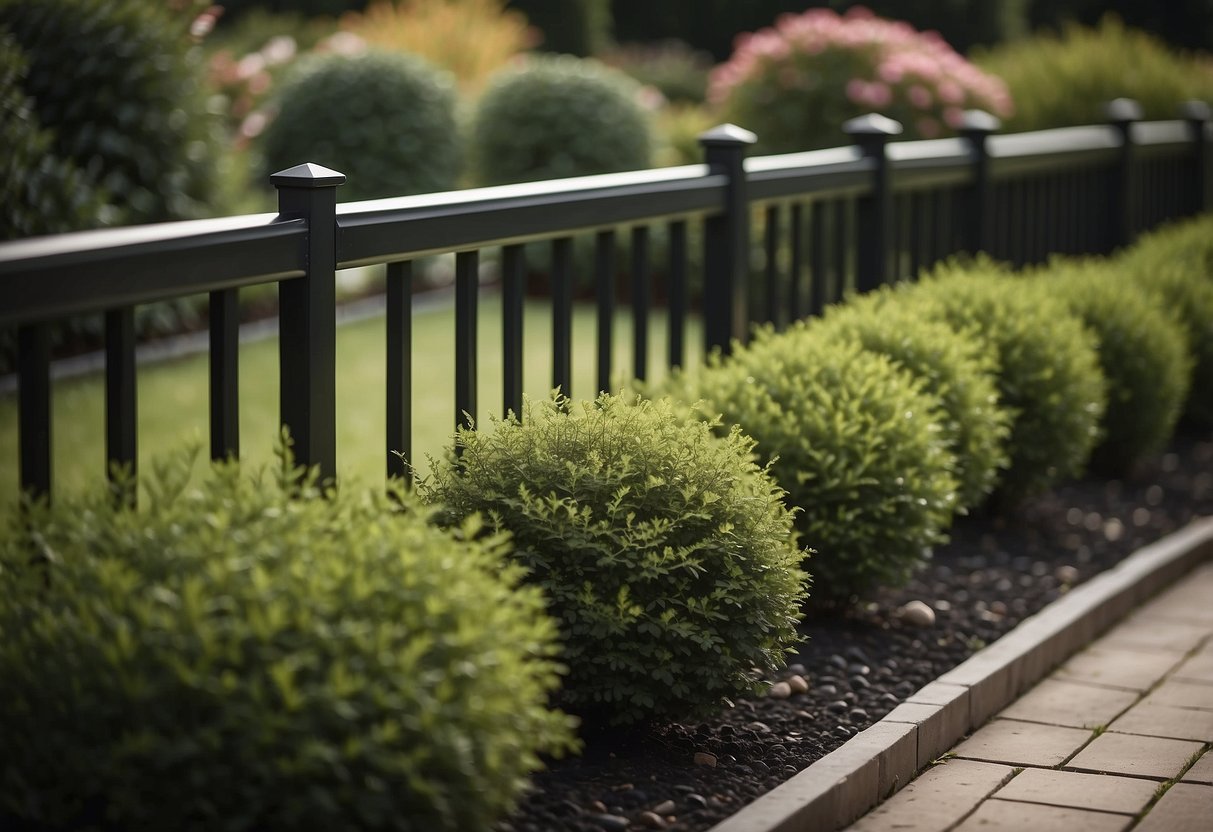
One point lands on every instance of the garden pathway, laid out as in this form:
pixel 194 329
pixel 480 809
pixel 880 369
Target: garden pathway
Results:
pixel 1117 738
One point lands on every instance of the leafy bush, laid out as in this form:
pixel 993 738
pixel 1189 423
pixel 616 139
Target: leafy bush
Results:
pixel 1048 369
pixel 957 371
pixel 1065 79
pixel 854 441
pixel 556 116
pixel 471 39
pixel 387 121
pixel 664 551
pixel 251 653
pixel 39 192
pixel 116 83
pixel 674 69
pixel 1173 265
pixel 1142 354
pixel 795 84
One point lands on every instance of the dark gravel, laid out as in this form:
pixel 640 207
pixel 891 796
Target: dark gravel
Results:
pixel 994 573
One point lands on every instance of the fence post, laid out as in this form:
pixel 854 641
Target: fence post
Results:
pixel 726 239
pixel 874 211
pixel 1197 114
pixel 307 322
pixel 976 126
pixel 1121 113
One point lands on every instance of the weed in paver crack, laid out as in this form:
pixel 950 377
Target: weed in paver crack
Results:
pixel 1164 787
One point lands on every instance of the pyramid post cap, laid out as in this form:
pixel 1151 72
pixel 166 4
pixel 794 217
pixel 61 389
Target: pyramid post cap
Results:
pixel 1120 110
pixel 979 121
pixel 872 124
pixel 1195 110
pixel 725 134
pixel 307 175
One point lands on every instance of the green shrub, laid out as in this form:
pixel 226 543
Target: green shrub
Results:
pixel 794 84
pixel 1048 369
pixel 1065 79
pixel 1142 354
pixel 664 550
pixel 1184 288
pixel 954 369
pixel 39 192
pixel 674 69
pixel 556 116
pixel 117 84
pixel 385 120
pixel 249 653
pixel 854 441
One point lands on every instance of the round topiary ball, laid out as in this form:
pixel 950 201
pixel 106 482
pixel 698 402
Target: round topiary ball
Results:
pixel 664 551
pixel 384 119
pixel 1048 369
pixel 856 443
pixel 1142 353
pixel 252 653
pixel 557 116
pixel 957 371
pixel 118 85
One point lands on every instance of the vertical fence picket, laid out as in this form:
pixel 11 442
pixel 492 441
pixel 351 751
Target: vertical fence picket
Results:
pixel 795 304
pixel 1197 114
pixel 677 293
pixel 467 285
pixel 120 400
pixel 1121 114
pixel 818 279
pixel 399 323
pixel 770 235
pixel 604 280
pixel 513 291
pixel 34 408
pixel 224 371
pixel 562 315
pixel 874 232
pixel 640 302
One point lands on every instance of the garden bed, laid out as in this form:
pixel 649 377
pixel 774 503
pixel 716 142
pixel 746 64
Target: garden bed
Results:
pixel 994 573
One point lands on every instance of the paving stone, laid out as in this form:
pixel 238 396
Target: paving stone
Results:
pixel 1154 757
pixel 1198 668
pixel 1125 669
pixel 1072 704
pixel 1010 816
pixel 1186 807
pixel 1201 771
pixel 937 799
pixel 1108 793
pixel 1179 694
pixel 1023 743
pixel 1142 632
pixel 1155 720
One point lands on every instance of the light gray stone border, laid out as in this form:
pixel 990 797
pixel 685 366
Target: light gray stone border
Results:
pixel 843 785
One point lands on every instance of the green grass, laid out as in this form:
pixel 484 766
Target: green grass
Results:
pixel 172 396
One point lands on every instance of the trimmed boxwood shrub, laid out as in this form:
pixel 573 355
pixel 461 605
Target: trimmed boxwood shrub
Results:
pixel 118 85
pixel 384 119
pixel 954 369
pixel 856 443
pixel 664 550
pixel 252 653
pixel 1142 354
pixel 1048 369
pixel 556 116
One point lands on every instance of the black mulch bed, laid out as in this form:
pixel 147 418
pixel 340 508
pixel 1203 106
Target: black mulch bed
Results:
pixel 993 574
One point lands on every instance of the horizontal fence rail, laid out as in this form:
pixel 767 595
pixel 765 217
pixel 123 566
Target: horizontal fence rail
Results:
pixel 821 223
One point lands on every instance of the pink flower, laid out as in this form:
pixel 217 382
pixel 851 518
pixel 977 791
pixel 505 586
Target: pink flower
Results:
pixel 919 96
pixel 950 92
pixel 857 90
pixel 879 95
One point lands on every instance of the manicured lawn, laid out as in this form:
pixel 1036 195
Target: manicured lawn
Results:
pixel 173 395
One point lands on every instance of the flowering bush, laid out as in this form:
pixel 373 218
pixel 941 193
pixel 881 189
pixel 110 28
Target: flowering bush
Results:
pixel 795 83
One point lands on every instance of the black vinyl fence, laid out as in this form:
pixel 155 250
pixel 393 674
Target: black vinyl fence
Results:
pixel 848 218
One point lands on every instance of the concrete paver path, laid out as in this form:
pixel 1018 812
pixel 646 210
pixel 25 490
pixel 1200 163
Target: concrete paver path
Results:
pixel 1117 738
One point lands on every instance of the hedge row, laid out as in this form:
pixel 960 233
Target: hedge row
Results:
pixel 261 652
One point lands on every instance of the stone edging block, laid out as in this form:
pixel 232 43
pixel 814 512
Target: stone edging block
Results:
pixel 843 785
